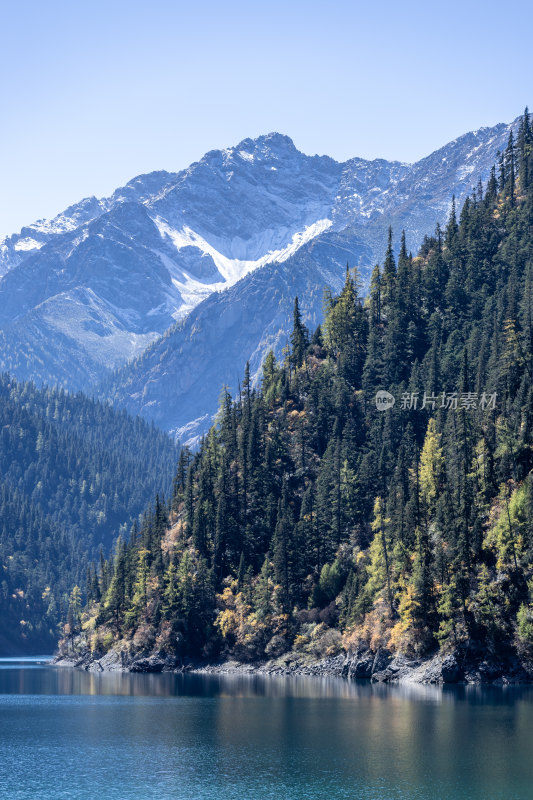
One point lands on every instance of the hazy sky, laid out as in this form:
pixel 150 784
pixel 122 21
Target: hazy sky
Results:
pixel 93 93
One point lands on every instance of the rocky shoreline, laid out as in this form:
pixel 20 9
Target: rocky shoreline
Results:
pixel 381 666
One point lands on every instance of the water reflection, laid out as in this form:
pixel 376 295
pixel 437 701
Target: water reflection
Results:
pixel 46 678
pixel 238 737
pixel 28 662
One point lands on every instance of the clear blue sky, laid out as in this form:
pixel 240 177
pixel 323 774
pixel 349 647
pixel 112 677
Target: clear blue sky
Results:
pixel 93 93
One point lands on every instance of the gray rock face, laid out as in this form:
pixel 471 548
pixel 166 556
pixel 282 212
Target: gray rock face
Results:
pixel 451 670
pixel 381 661
pixel 359 665
pixel 93 288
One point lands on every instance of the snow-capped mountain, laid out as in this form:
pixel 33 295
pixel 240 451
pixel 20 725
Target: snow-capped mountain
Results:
pixel 177 381
pixel 87 291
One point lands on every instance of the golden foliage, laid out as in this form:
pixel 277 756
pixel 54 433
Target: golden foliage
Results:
pixel 374 631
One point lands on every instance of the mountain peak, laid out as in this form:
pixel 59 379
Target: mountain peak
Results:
pixel 270 141
pixel 267 147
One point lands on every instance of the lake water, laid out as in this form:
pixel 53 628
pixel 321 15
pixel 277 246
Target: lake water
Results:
pixel 70 734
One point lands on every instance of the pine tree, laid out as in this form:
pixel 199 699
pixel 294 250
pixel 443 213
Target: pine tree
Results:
pixel 388 280
pixel 299 337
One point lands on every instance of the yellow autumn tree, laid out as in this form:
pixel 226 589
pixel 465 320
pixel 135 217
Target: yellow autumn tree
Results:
pixel 431 464
pixel 379 568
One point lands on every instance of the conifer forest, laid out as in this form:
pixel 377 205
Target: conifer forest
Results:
pixel 73 473
pixel 373 490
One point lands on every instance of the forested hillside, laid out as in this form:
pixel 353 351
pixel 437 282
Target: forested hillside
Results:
pixel 73 473
pixel 311 519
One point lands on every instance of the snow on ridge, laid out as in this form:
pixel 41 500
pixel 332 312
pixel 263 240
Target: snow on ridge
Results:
pixel 59 224
pixel 188 291
pixel 302 237
pixel 233 269
pixel 28 244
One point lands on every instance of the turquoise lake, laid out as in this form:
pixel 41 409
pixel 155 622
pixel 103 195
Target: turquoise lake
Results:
pixel 70 734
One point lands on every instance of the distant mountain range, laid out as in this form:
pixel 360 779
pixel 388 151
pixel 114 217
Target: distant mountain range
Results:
pixel 188 275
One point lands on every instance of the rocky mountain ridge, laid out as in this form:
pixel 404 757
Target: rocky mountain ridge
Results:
pixel 88 291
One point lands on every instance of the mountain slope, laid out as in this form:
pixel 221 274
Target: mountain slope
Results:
pixel 176 382
pixel 74 474
pixel 104 279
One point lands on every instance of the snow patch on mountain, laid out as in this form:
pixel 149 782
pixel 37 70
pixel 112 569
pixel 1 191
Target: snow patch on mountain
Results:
pixel 233 269
pixel 28 244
